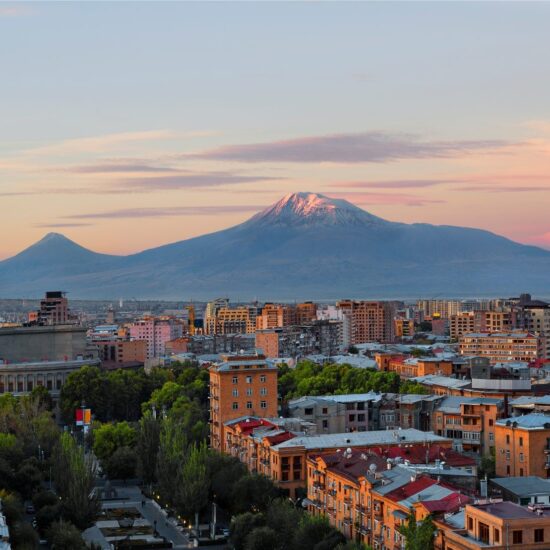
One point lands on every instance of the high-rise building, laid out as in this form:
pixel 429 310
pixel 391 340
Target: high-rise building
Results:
pixel 369 321
pixel 54 310
pixel 241 385
pixel 277 315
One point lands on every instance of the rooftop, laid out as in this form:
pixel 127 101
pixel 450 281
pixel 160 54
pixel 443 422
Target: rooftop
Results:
pixel 510 510
pixel 532 421
pixel 365 439
pixel 524 486
pixel 445 381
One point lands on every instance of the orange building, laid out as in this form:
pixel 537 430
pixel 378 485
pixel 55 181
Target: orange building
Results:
pixel 501 526
pixel 461 323
pixel 268 342
pixel 502 347
pixel 412 367
pixel 469 421
pixel 274 448
pixel 122 351
pixel 368 498
pixel 240 385
pixel 523 446
pixel 370 321
pixel 306 312
pixel 276 315
pixel 404 328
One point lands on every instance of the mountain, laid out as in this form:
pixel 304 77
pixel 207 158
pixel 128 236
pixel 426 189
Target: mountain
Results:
pixel 306 246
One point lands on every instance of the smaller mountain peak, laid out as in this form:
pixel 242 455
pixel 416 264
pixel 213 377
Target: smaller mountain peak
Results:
pixel 53 236
pixel 306 208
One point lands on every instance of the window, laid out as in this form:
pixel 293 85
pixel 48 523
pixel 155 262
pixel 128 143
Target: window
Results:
pixel 496 535
pixel 521 472
pixel 507 455
pixel 325 423
pixel 325 410
pixel 308 412
pixel 263 391
pixel 491 422
pixel 360 418
pixel 235 379
pixel 521 441
pixel 521 457
pixel 539 535
pixel 248 391
pixel 507 470
pixel 249 404
pixel 263 404
pixel 491 436
pixel 483 532
pixel 235 405
pixel 235 393
pixel 249 379
pixel 470 524
pixel 517 537
pixel 352 418
pixel 262 378
pixel 507 440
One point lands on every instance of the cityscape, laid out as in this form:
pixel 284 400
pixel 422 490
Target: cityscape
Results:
pixel 275 275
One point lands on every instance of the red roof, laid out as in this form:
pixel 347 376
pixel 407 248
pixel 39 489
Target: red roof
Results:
pixel 279 438
pixel 410 489
pixel 247 426
pixel 450 503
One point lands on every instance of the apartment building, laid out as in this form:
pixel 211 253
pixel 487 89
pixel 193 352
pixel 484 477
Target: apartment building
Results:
pixel 501 347
pixel 523 446
pixel 240 385
pixel 501 526
pixel 469 422
pixel 369 321
pixel 276 315
pixel 280 452
pixel 368 498
pixel 493 321
pixel 411 367
pixel 534 316
pixel 222 319
pixel 461 323
pixel 404 328
pixel 122 351
pixel 156 331
pixel 317 337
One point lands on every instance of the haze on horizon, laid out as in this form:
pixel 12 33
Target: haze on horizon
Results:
pixel 130 125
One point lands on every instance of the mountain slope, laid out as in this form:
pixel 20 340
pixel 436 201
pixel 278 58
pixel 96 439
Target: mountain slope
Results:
pixel 304 246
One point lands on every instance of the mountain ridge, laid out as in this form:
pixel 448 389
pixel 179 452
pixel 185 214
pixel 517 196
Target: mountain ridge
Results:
pixel 306 245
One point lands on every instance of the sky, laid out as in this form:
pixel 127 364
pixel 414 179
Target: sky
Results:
pixel 129 125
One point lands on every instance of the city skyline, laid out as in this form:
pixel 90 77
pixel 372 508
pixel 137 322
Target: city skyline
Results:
pixel 169 121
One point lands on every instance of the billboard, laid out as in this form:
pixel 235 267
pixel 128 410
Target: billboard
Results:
pixel 83 417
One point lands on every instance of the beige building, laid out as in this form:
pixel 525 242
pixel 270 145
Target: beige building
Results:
pixel 502 347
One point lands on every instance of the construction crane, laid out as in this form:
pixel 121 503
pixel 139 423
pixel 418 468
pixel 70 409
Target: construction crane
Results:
pixel 190 319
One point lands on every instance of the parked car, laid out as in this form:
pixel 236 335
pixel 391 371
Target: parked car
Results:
pixel 30 509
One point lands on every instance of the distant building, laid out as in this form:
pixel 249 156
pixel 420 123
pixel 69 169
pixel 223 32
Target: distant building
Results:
pixel 369 321
pixel 54 310
pixel 522 490
pixel 500 347
pixel 156 331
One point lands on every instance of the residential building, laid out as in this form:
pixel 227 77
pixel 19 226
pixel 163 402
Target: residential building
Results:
pixel 493 321
pixel 501 347
pixel 240 385
pixel 122 351
pixel 411 367
pixel 501 525
pixel 369 499
pixel 404 328
pixel 156 331
pixel 276 315
pixel 54 310
pixel 461 323
pixel 523 446
pixel 369 321
pixel 469 422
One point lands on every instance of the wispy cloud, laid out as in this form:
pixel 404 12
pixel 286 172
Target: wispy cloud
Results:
pixel 60 225
pixel 368 199
pixel 504 189
pixel 192 180
pixel 155 212
pixel 393 184
pixel 347 148
pixel 114 168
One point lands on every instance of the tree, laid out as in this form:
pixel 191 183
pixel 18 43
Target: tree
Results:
pixel 43 396
pixel 262 538
pixel 47 515
pixel 109 437
pixel 418 535
pixel 224 472
pixel 283 517
pixel 148 443
pixel 121 464
pixel 254 492
pixel 23 536
pixel 241 526
pixel 194 487
pixel 312 531
pixel 75 475
pixel 63 535
pixel 487 467
pixel 172 449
